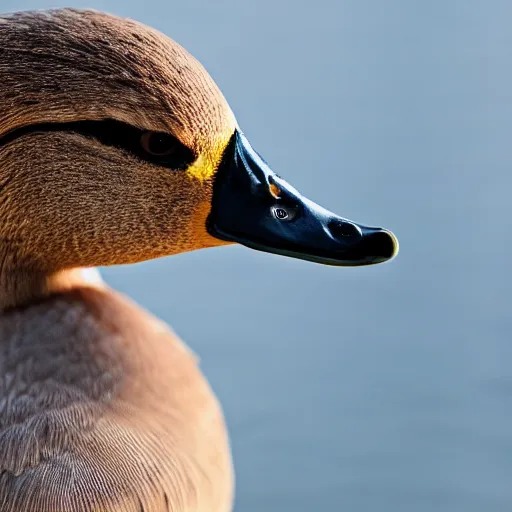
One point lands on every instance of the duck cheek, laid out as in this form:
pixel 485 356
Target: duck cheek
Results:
pixel 198 234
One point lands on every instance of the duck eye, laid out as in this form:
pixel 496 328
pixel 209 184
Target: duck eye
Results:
pixel 158 144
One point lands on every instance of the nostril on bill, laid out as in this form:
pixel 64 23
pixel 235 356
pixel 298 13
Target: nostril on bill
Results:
pixel 344 231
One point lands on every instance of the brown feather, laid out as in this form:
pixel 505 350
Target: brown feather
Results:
pixel 104 409
pixel 101 407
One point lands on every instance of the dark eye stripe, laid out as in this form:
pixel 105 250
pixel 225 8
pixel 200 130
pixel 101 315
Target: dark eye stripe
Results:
pixel 114 134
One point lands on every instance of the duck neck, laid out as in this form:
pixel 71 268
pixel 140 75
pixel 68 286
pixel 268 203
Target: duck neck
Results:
pixel 19 286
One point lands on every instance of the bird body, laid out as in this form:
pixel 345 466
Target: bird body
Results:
pixel 116 147
pixel 105 409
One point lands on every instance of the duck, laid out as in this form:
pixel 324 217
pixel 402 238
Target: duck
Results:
pixel 116 147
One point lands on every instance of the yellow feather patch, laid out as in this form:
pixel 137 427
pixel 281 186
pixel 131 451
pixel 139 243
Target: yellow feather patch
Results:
pixel 209 160
pixel 203 168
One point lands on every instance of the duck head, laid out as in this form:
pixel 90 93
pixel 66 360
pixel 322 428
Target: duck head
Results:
pixel 116 146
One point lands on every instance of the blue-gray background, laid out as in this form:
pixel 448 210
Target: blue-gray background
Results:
pixel 386 388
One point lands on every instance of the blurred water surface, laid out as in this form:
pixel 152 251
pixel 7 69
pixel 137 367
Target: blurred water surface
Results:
pixel 383 388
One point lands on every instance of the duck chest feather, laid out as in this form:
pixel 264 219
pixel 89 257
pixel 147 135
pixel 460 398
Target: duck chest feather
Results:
pixel 103 408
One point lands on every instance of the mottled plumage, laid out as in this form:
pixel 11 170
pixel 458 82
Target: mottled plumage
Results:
pixel 102 408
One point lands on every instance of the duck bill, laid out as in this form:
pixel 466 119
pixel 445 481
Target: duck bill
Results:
pixel 253 206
